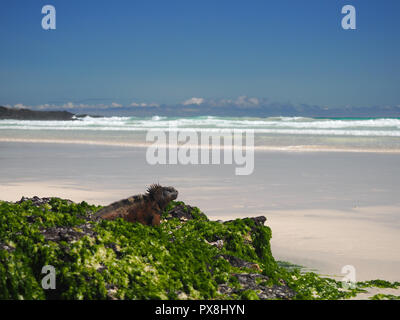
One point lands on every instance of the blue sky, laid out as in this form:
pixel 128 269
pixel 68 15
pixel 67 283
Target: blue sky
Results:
pixel 169 51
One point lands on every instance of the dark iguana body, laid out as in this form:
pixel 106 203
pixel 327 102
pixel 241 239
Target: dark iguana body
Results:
pixel 146 209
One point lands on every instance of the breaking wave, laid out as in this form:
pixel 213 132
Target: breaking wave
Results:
pixel 379 127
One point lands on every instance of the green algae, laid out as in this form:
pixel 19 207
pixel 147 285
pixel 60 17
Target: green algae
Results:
pixel 379 284
pixel 381 296
pixel 122 260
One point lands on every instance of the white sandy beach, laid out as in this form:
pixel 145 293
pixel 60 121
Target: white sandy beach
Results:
pixel 326 210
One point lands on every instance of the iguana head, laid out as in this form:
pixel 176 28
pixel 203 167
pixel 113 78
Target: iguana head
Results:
pixel 162 195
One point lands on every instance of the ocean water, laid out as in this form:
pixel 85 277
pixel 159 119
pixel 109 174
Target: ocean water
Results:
pixel 280 133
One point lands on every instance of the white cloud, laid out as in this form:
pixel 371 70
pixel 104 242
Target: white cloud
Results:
pixel 196 101
pixel 68 105
pixel 116 105
pixel 244 101
pixel 241 102
pixel 254 101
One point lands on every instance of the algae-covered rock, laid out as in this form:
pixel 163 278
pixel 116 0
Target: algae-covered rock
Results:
pixel 186 257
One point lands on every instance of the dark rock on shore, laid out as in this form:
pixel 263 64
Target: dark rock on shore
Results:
pixel 68 233
pixel 239 263
pixel 259 284
pixel 184 213
pixel 259 221
pixel 26 114
pixel 37 202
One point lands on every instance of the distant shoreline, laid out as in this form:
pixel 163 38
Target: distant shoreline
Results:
pixel 27 114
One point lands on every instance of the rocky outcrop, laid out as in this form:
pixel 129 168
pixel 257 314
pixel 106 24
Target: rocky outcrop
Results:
pixel 250 277
pixel 26 114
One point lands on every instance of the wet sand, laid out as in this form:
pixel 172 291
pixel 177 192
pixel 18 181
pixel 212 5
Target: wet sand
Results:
pixel 326 209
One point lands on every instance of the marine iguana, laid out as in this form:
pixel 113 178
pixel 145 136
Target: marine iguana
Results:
pixel 145 208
